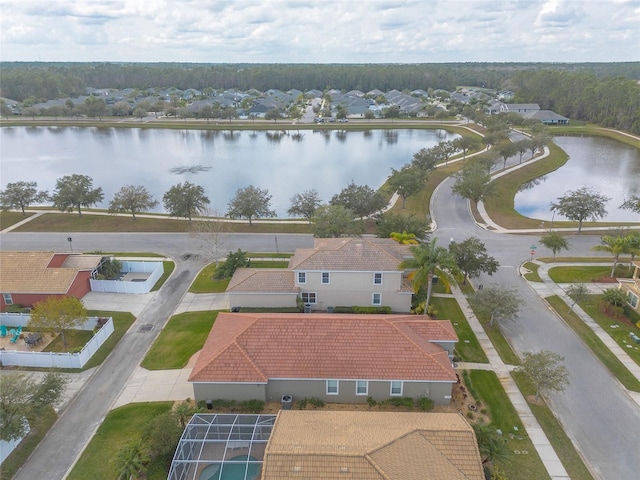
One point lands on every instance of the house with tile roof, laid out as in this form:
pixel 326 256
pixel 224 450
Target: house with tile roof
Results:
pixel 631 286
pixel 29 277
pixel 338 358
pixel 334 272
pixel 371 445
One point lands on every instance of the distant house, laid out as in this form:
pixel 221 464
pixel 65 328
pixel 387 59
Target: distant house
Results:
pixel 371 445
pixel 29 277
pixel 631 286
pixel 338 358
pixel 335 272
pixel 547 117
pixel 520 108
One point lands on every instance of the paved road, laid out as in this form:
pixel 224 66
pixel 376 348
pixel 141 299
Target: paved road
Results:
pixel 595 410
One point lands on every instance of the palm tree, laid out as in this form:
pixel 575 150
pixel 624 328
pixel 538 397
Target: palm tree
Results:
pixel 427 258
pixel 130 460
pixel 633 246
pixel 614 245
pixel 491 445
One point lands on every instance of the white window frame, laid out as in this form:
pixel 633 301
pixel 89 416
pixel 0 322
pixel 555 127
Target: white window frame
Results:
pixel 8 300
pixel 322 276
pixel 632 299
pixel 329 387
pixel 376 276
pixel 391 384
pixel 302 277
pixel 373 299
pixel 366 387
pixel 308 295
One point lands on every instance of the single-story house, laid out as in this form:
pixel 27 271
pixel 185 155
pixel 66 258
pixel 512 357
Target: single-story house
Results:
pixel 334 272
pixel 338 358
pixel 547 117
pixel 371 445
pixel 29 277
pixel 631 286
pixel 302 444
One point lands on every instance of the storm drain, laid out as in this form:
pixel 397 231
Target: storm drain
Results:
pixel 147 327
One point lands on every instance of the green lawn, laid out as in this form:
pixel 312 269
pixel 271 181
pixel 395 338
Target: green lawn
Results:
pixel 268 264
pixel 595 344
pixel 504 416
pixel 168 267
pixel 205 283
pixel 40 425
pixel 584 274
pixel 533 276
pixel 468 349
pixel 119 426
pixel 76 340
pixel 183 336
pixel 11 218
pixel 560 442
pixel 269 255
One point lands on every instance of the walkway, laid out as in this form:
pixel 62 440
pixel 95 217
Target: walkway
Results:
pixel 539 439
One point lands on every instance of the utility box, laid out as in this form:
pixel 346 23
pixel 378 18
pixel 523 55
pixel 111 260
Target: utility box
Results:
pixel 307 308
pixel 286 402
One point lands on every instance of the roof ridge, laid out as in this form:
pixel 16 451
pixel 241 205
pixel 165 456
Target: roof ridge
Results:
pixel 244 353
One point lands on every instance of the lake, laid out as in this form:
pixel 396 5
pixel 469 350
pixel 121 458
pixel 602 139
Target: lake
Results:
pixel 611 167
pixel 285 163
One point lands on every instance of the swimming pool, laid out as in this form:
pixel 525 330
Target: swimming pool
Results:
pixel 233 471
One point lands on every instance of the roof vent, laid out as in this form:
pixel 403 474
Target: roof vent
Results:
pixel 297 468
pixel 344 469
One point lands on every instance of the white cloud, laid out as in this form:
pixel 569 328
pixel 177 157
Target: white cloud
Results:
pixel 319 30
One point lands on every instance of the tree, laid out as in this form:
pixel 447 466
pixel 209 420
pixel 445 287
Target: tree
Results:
pixel 23 396
pixel 614 245
pixel 95 107
pixel 391 222
pixel 5 111
pixel 426 159
pixel 75 191
pixel 506 150
pixel 185 200
pixel 545 371
pixel 497 302
pixel 209 232
pixel 110 268
pixel 305 204
pixel 554 242
pixel 578 292
pixel 406 182
pixel 369 115
pixel 234 260
pixel 335 221
pixel 131 460
pixel 427 258
pixel 162 436
pixel 21 195
pixel 392 111
pixel 465 144
pixel 492 446
pixel 362 200
pixel 132 198
pixel 581 204
pixel 57 314
pixel 472 259
pixel 473 182
pixel 250 202
pixel 632 203
pixel 521 146
pixel 272 114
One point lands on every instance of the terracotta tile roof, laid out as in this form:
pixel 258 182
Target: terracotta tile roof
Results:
pixel 371 445
pixel 262 280
pixel 254 347
pixel 27 272
pixel 350 254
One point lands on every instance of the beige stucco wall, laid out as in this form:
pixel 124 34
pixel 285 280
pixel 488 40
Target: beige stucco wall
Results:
pixel 356 289
pixel 262 300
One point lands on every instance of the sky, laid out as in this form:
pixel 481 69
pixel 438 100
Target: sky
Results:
pixel 320 31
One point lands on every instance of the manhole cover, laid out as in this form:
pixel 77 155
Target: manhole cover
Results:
pixel 147 327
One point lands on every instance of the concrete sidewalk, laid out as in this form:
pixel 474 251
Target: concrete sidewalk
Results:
pixel 537 436
pixel 118 302
pixel 197 302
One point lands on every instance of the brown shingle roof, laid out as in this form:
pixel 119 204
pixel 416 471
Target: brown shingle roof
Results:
pixel 371 445
pixel 254 347
pixel 262 280
pixel 28 272
pixel 351 254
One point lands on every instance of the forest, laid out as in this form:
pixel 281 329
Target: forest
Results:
pixel 604 93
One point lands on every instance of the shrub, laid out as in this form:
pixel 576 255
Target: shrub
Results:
pixel 16 308
pixel 252 406
pixel 470 415
pixel 363 309
pixel 406 402
pixel 425 404
pixel 312 401
pixel 234 261
pixel 371 401
pixel 302 404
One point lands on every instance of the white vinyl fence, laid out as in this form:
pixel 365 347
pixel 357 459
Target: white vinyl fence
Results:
pixel 52 359
pixel 155 269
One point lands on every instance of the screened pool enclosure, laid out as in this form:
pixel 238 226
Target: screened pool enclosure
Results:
pixel 222 447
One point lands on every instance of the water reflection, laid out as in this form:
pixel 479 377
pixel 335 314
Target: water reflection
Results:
pixel 532 183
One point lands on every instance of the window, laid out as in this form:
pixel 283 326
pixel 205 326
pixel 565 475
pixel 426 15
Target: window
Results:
pixel 362 387
pixel 376 299
pixel 632 298
pixel 308 297
pixel 377 278
pixel 396 388
pixel 302 277
pixel 332 387
pixel 325 277
pixel 7 299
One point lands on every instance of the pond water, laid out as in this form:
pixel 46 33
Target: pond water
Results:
pixel 285 163
pixel 612 168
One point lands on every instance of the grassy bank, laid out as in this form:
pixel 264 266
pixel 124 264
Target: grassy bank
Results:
pixel 11 218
